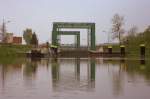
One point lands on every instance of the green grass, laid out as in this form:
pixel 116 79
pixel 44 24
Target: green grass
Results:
pixel 132 45
pixel 8 50
pixel 131 50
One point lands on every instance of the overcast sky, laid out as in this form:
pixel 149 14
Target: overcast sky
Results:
pixel 39 15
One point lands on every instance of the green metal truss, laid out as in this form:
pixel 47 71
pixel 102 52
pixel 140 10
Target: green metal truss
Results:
pixel 74 25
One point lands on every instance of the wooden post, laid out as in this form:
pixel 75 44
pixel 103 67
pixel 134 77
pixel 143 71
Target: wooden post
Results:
pixel 142 66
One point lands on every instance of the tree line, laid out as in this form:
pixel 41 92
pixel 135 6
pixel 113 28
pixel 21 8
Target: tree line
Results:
pixel 30 37
pixel 123 36
pixel 117 30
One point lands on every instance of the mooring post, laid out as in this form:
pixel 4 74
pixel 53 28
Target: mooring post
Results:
pixel 109 49
pixel 142 50
pixel 142 61
pixel 142 64
pixel 122 50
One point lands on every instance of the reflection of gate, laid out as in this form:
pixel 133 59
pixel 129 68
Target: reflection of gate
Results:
pixel 61 79
pixel 76 33
pixel 63 25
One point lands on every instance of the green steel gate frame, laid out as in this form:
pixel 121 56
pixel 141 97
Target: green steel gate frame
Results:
pixel 74 25
pixel 76 33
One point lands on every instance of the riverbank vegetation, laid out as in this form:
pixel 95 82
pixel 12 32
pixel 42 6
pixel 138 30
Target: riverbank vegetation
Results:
pixel 132 43
pixel 10 50
pixel 30 37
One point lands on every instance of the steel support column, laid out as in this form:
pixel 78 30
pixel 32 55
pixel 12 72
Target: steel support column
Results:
pixel 74 25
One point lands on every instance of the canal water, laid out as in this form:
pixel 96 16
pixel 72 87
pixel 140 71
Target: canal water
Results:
pixel 75 78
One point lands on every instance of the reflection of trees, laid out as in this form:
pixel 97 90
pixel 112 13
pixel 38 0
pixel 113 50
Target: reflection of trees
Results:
pixel 8 69
pixel 133 68
pixel 118 78
pixel 65 79
pixel 141 67
pixel 30 69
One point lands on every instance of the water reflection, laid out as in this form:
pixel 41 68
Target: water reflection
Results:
pixel 30 69
pixel 6 70
pixel 66 78
pixel 124 72
pixel 29 72
pixel 102 78
pixel 118 78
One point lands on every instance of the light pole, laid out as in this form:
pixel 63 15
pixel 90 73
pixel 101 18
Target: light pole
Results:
pixel 4 30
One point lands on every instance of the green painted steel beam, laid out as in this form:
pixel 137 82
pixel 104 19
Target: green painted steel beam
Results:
pixel 54 35
pixel 72 25
pixel 68 32
pixel 93 44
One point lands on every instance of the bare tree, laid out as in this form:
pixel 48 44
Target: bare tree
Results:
pixel 117 27
pixel 147 29
pixel 133 31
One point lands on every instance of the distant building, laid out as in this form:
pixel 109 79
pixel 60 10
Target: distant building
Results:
pixel 17 40
pixel 8 38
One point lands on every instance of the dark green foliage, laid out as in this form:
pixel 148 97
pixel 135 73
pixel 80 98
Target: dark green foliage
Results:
pixel 34 40
pixel 135 67
pixel 27 35
pixel 133 42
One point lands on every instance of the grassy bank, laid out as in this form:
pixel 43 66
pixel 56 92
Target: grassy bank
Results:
pixel 132 44
pixel 9 50
pixel 132 50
